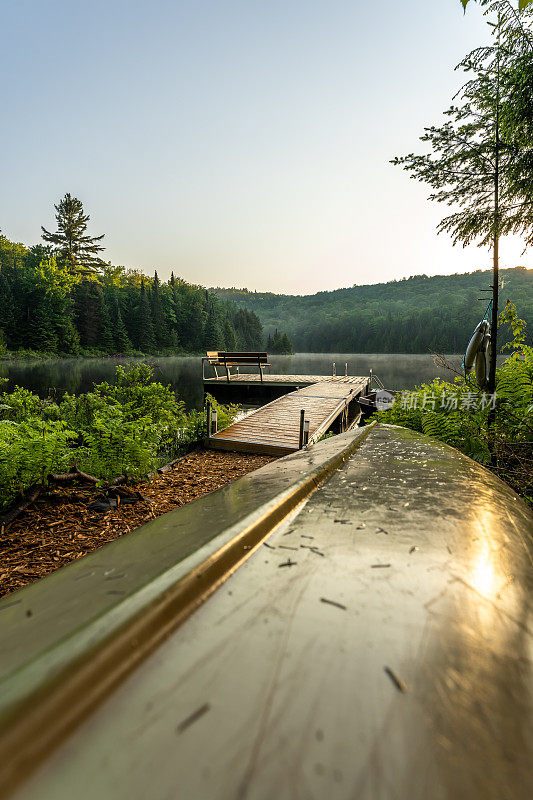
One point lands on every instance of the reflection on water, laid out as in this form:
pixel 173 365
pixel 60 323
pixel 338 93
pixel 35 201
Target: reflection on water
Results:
pixel 184 373
pixel 79 375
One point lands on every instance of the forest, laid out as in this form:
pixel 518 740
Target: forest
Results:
pixel 412 315
pixel 47 308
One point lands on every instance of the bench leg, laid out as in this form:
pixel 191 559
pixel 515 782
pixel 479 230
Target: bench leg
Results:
pixel 227 371
pixel 260 370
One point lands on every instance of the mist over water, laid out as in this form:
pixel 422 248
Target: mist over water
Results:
pixel 184 373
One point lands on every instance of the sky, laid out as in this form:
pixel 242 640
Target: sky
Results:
pixel 236 142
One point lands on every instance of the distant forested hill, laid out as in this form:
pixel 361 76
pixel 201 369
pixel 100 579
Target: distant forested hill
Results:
pixel 413 315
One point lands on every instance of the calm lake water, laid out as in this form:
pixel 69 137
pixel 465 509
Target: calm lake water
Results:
pixel 185 373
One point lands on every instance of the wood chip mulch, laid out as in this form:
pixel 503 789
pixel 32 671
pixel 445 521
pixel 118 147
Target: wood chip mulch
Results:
pixel 60 527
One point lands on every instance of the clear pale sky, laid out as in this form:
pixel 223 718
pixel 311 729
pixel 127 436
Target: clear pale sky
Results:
pixel 236 142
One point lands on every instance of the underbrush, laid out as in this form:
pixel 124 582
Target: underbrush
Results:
pixel 127 428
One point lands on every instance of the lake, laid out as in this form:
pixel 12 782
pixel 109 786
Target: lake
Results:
pixel 184 373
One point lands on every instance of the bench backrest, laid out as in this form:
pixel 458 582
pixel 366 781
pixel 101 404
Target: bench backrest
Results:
pixel 234 358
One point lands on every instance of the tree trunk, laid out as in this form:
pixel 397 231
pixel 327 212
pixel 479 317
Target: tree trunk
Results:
pixel 491 385
pixel 494 321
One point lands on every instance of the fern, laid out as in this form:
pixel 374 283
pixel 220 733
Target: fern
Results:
pixel 130 427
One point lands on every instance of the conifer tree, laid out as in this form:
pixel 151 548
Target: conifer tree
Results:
pixel 229 335
pixel 92 316
pixel 177 309
pixel 7 309
pixel 145 338
pixel 160 326
pixel 213 337
pixel 193 322
pixel 286 345
pixel 75 249
pixel 276 342
pixel 122 340
pixel 68 340
pixel 39 331
pixel 106 339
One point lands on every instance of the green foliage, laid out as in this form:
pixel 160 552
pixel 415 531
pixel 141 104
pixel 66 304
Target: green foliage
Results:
pixel 29 451
pixel 516 326
pixel 129 427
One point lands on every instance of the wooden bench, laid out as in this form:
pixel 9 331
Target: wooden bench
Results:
pixel 227 359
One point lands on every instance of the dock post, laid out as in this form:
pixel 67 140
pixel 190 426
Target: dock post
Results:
pixel 306 432
pixel 301 436
pixel 346 370
pixel 333 373
pixel 208 418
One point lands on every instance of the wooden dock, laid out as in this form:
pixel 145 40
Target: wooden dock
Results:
pixel 275 427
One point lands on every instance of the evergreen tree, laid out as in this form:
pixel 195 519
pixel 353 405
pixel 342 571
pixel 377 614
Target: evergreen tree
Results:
pixel 39 331
pixel 92 316
pixel 213 337
pixel 229 336
pixel 177 310
pixel 129 309
pixel 68 340
pixel 106 339
pixel 7 309
pixel 193 321
pixel 248 329
pixel 276 343
pixel 145 338
pixel 75 249
pixel 122 340
pixel 160 326
pixel 286 345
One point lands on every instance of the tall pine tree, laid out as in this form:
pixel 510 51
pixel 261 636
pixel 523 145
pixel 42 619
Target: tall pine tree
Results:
pixel 213 336
pixel 74 248
pixel 145 337
pixel 160 326
pixel 122 340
